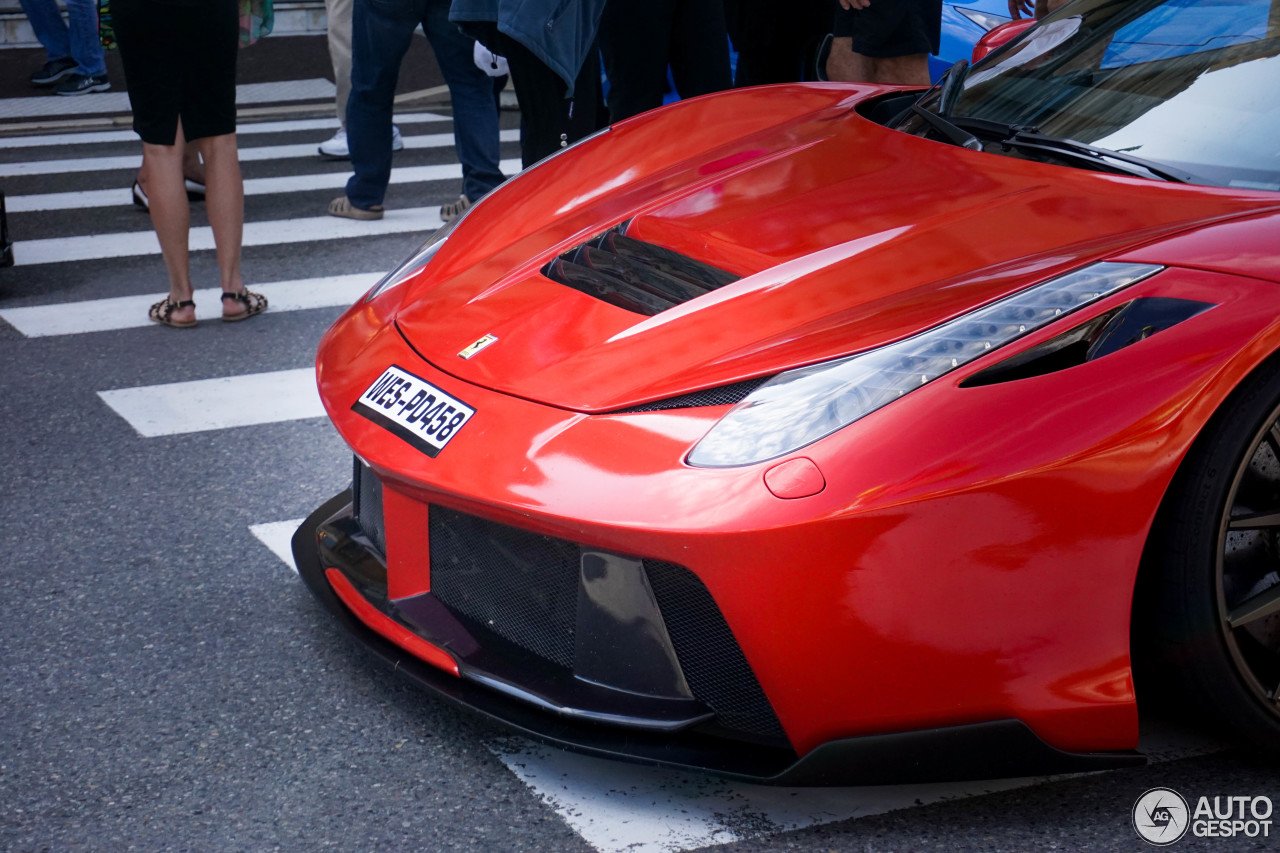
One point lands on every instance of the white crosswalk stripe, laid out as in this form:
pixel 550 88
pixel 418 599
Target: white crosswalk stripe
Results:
pixel 267 152
pixel 653 810
pixel 242 129
pixel 252 187
pixel 274 233
pixel 276 535
pixel 118 102
pixel 176 408
pixel 127 312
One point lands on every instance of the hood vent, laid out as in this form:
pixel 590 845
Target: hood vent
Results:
pixel 633 274
pixel 724 395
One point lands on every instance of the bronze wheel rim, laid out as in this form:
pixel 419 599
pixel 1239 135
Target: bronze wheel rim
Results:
pixel 1248 566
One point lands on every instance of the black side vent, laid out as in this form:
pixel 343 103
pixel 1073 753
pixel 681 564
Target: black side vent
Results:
pixel 367 505
pixel 1107 333
pixel 725 395
pixel 713 664
pixel 633 274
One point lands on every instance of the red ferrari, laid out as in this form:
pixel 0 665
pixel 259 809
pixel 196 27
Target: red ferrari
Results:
pixel 839 434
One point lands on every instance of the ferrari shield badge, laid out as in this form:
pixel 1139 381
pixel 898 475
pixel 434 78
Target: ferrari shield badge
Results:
pixel 475 347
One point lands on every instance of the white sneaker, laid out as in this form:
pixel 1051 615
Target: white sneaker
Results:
pixel 335 148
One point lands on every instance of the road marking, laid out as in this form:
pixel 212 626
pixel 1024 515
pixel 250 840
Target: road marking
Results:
pixel 123 197
pixel 118 102
pixel 178 408
pixel 242 129
pixel 128 312
pixel 278 536
pixel 272 233
pixel 624 808
pixel 246 155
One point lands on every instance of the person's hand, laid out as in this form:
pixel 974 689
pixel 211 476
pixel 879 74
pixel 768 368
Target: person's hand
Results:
pixel 1019 8
pixel 849 5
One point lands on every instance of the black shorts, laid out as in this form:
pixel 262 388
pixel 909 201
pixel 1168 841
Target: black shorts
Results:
pixel 179 61
pixel 889 28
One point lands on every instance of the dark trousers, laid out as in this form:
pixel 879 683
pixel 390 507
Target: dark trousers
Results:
pixel 777 45
pixel 640 38
pixel 549 120
pixel 380 33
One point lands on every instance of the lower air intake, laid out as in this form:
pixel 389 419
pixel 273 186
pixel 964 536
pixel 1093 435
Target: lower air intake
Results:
pixel 367 508
pixel 713 664
pixel 523 587
pixel 519 585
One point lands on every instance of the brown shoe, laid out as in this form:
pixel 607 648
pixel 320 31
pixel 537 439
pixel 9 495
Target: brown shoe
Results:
pixel 453 210
pixel 342 206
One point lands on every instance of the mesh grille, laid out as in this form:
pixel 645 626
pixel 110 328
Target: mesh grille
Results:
pixel 713 664
pixel 368 506
pixel 725 395
pixel 524 587
pixel 520 585
pixel 634 275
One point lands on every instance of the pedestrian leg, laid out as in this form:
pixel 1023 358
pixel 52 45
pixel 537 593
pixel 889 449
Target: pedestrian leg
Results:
pixel 475 112
pixel 380 34
pixel 49 28
pixel 224 202
pixel 86 49
pixel 171 218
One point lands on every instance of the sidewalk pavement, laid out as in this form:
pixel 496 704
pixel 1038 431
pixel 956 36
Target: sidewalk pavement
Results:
pixel 280 75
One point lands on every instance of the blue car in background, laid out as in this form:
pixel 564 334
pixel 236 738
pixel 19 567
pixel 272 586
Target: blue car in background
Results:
pixel 962 25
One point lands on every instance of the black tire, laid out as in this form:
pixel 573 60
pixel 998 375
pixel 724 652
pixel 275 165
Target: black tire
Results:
pixel 1208 607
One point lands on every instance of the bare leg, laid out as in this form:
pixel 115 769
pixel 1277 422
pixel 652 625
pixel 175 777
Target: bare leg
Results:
pixel 224 201
pixel 910 70
pixel 170 216
pixel 845 66
pixel 192 168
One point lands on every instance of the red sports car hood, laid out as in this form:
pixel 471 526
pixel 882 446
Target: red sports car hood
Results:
pixel 846 235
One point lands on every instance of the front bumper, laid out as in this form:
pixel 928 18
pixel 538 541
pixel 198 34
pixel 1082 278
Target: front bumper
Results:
pixel 460 661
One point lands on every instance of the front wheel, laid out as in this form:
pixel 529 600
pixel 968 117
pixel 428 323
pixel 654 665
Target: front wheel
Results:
pixel 1210 605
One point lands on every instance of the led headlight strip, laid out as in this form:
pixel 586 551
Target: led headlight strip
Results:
pixel 800 406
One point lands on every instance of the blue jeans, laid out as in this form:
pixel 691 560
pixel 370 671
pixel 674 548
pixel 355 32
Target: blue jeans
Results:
pixel 80 41
pixel 380 33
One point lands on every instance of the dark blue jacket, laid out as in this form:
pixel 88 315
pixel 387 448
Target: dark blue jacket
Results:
pixel 559 32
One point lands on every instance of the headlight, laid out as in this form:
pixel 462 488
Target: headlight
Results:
pixel 416 261
pixel 800 406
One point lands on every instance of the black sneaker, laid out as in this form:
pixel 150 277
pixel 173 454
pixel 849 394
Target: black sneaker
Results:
pixel 53 71
pixel 78 84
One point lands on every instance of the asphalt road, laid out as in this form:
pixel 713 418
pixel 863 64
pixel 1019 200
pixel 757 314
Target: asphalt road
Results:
pixel 166 681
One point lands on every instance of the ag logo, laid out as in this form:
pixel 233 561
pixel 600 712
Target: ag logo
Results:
pixel 1161 817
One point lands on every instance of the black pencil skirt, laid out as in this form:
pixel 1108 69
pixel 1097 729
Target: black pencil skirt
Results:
pixel 179 62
